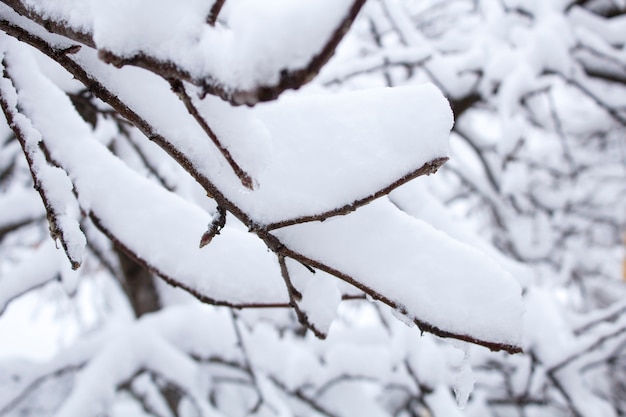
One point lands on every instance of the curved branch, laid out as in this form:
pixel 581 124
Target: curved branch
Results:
pixel 62 226
pixel 52 26
pixel 179 89
pixel 423 326
pixel 428 168
pixel 288 79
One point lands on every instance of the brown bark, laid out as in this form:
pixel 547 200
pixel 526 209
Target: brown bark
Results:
pixel 138 283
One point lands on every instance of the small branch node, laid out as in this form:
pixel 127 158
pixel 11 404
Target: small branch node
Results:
pixel 217 224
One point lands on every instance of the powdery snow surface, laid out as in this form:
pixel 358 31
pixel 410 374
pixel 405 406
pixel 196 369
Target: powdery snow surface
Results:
pixel 364 140
pixel 76 13
pixel 415 199
pixel 434 278
pixel 53 183
pixel 250 45
pixel 235 268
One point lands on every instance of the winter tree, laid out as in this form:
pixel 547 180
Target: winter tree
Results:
pixel 284 211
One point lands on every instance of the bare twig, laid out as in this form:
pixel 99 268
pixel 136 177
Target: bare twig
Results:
pixel 247 365
pixel 428 168
pixel 558 126
pixel 179 88
pixel 295 297
pixel 215 11
pixel 36 383
pixel 302 397
pixel 587 349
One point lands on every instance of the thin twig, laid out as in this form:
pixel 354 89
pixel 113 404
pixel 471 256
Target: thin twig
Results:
pixel 427 169
pixel 298 394
pixel 589 348
pixel 294 299
pixel 179 89
pixel 558 126
pixel 247 364
pixel 423 326
pixel 215 11
pixel 35 384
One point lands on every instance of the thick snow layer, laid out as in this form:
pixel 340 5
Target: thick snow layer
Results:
pixel 52 182
pixel 251 44
pixel 415 199
pixel 160 227
pixel 395 130
pixel 434 278
pixel 77 14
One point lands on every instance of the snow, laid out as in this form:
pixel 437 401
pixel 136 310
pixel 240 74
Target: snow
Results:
pixel 134 349
pixel 438 280
pixel 414 198
pixel 294 135
pixel 116 352
pixel 199 340
pixel 52 182
pixel 298 134
pixel 42 267
pixel 395 130
pixel 337 71
pixel 552 341
pixel 428 361
pixel 320 295
pixel 250 46
pixel 309 154
pixel 343 358
pixel 440 403
pixel 18 205
pixel 612 31
pixel 353 399
pixel 76 13
pixel 117 197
